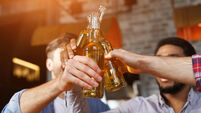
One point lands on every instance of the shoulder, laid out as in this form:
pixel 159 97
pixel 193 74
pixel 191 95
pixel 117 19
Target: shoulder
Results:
pixel 94 101
pixel 143 100
pixel 97 104
pixel 195 100
pixel 139 103
pixel 197 96
pixel 14 105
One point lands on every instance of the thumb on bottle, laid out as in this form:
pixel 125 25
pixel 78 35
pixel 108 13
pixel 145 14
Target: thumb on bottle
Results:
pixel 114 53
pixel 108 56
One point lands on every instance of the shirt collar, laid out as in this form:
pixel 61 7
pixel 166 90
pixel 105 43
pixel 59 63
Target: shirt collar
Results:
pixel 191 96
pixel 161 100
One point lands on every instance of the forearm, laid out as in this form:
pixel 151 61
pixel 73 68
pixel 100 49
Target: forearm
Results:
pixel 35 99
pixel 177 69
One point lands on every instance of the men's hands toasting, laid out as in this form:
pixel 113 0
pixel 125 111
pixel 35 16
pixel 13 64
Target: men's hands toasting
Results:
pixel 77 70
pixel 132 60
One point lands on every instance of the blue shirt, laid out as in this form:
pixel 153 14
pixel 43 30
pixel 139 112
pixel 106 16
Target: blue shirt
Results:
pixel 13 106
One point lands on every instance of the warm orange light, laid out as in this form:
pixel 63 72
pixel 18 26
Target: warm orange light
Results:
pixel 190 33
pixel 26 64
pixel 24 69
pixel 199 25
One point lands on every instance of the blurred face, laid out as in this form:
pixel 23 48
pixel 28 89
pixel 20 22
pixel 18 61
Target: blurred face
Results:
pixel 56 62
pixel 165 85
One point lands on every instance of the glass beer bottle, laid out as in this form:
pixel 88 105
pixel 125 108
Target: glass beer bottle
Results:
pixel 94 50
pixel 114 69
pixel 83 38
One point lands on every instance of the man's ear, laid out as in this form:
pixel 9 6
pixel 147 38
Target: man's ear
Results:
pixel 49 64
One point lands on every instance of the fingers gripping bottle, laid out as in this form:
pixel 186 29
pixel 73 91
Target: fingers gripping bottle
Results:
pixel 91 43
pixel 114 69
pixel 94 50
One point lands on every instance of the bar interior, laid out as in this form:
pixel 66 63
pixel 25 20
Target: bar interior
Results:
pixel 28 27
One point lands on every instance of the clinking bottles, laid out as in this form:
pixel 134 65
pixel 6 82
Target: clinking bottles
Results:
pixel 90 46
pixel 91 43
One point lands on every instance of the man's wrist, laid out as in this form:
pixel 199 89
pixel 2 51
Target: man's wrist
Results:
pixel 56 86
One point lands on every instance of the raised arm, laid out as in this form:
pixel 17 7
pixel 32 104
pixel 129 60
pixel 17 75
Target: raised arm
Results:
pixel 78 71
pixel 165 67
pixel 35 99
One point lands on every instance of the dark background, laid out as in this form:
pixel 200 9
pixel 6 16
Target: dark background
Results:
pixel 15 37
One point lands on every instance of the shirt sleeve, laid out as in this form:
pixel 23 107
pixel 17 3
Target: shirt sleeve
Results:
pixel 13 105
pixel 196 61
pixel 75 102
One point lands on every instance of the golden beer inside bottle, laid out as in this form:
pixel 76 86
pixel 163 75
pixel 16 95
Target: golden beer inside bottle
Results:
pixel 113 78
pixel 94 51
pixel 92 44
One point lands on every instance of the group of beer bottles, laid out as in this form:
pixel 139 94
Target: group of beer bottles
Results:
pixel 91 43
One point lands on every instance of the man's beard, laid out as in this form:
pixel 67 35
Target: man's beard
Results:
pixel 176 88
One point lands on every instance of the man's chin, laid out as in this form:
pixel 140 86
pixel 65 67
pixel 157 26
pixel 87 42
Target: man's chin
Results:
pixel 166 86
pixel 172 89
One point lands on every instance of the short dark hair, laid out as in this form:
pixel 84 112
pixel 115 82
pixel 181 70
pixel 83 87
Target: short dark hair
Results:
pixel 185 45
pixel 58 42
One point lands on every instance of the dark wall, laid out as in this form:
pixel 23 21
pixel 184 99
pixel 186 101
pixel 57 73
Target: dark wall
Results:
pixel 15 37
